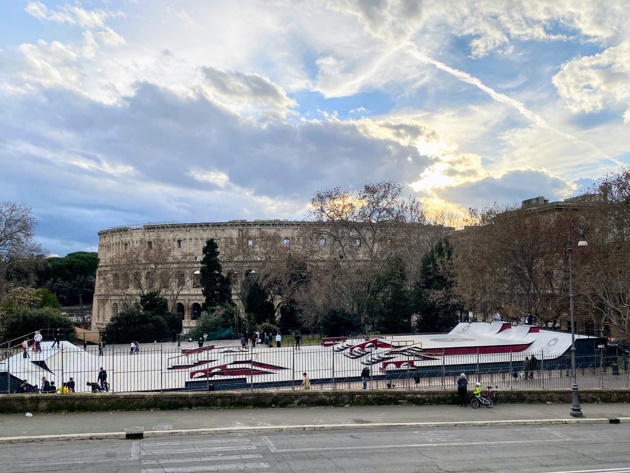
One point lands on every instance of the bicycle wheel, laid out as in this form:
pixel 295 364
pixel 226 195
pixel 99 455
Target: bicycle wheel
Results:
pixel 489 403
pixel 474 402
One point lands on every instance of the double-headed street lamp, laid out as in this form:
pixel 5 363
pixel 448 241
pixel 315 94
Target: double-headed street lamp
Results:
pixel 576 410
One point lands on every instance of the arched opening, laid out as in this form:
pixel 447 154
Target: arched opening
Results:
pixel 180 310
pixel 114 309
pixel 197 278
pixel 150 278
pixel 196 311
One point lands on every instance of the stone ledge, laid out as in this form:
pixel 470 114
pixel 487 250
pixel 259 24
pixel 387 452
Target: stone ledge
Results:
pixel 87 402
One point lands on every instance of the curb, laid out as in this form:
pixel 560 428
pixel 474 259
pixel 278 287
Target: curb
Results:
pixel 138 435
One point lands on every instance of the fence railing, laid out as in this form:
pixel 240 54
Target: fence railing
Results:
pixel 166 368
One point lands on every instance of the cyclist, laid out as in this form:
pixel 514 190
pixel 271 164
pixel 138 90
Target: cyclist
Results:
pixel 477 392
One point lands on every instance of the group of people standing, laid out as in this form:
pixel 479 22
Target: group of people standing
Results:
pixel 265 339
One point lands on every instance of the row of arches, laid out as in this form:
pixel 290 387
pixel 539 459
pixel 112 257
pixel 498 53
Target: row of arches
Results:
pixel 180 310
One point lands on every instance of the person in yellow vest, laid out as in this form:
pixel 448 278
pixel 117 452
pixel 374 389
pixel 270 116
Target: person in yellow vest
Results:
pixel 477 389
pixel 306 383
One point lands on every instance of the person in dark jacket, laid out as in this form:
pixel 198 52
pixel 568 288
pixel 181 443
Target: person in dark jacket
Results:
pixel 102 378
pixel 365 376
pixel 45 385
pixel 462 390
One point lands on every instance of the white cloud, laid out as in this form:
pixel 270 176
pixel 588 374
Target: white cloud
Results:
pixel 591 83
pixel 111 38
pixel 49 64
pixel 215 177
pixel 247 93
pixel 71 14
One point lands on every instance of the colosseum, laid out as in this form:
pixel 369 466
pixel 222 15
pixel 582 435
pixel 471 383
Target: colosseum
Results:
pixel 167 257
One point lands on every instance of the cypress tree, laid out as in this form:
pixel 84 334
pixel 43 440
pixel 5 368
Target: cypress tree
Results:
pixel 216 287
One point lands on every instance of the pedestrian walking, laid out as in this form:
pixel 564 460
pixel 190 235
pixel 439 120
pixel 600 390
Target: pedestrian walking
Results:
pixel 526 365
pixel 100 348
pixel 462 390
pixel 278 340
pixel 137 349
pixel 57 338
pixel 84 345
pixel 306 383
pixel 243 341
pixel 25 348
pixel 132 348
pixel 416 378
pixel 298 341
pixel 200 342
pixel 102 379
pixel 365 376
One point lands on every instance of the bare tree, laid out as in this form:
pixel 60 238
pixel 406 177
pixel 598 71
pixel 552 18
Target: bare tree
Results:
pixel 17 230
pixel 511 261
pixel 603 282
pixel 359 233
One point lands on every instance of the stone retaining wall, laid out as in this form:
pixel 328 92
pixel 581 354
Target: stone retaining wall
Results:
pixel 38 403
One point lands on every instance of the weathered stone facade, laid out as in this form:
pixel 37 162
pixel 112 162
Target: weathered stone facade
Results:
pixel 186 242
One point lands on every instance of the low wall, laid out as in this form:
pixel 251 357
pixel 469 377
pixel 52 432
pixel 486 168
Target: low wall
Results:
pixel 37 403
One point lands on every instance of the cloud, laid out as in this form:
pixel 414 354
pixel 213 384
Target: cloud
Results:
pixel 509 188
pixel 247 93
pixel 590 83
pixel 71 14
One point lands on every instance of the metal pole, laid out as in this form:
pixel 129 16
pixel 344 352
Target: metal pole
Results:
pixel 333 366
pixel 443 371
pixel 161 368
pixel 251 368
pixel 576 410
pixel 293 371
pixel 511 370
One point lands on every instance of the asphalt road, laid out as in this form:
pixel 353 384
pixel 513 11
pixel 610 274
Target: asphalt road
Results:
pixel 584 448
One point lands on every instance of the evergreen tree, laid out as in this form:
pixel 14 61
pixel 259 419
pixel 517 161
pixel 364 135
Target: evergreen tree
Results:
pixel 393 304
pixel 436 302
pixel 258 306
pixel 216 287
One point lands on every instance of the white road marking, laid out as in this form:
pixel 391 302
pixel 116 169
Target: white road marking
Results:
pixel 422 445
pixel 166 461
pixel 135 451
pixel 272 448
pixel 178 449
pixel 602 470
pixel 210 468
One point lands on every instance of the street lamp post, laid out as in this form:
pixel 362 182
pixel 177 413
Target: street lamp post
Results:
pixel 576 410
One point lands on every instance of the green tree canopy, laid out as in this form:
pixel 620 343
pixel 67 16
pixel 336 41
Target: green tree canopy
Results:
pixel 29 320
pixel 72 277
pixel 218 324
pixel 216 287
pixel 151 322
pixel 435 299
pixel 393 302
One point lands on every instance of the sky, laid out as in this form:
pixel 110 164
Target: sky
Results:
pixel 123 112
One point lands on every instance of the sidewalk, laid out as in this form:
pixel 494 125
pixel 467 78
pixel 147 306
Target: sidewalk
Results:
pixel 73 426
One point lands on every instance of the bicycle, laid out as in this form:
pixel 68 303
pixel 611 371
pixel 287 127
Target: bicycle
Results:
pixel 492 394
pixel 477 401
